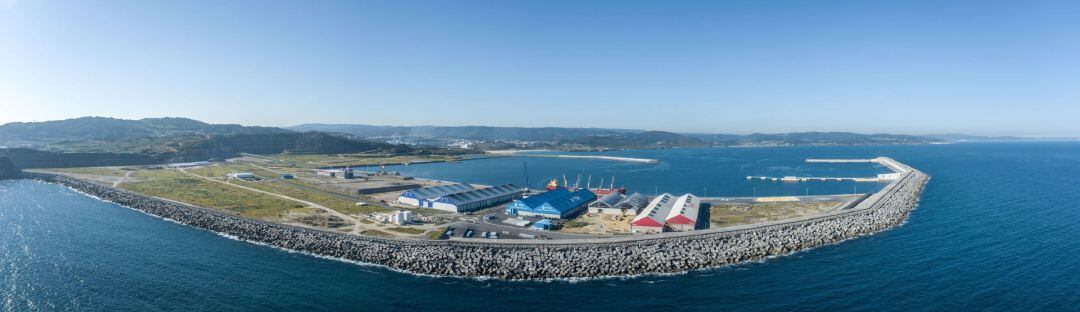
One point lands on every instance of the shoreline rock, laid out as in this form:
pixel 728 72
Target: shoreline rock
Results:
pixel 548 260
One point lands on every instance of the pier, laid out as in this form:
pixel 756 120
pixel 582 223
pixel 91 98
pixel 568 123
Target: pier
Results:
pixel 807 179
pixel 890 163
pixel 898 170
pixel 613 158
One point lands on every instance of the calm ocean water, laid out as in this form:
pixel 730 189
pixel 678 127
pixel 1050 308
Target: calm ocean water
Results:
pixel 997 229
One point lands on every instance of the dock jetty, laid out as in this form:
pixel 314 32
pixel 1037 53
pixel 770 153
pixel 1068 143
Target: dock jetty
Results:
pixel 672 252
pixel 898 170
pixel 601 157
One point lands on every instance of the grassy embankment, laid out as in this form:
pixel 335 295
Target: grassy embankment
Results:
pixel 436 234
pixel 407 230
pixel 376 233
pixel 101 171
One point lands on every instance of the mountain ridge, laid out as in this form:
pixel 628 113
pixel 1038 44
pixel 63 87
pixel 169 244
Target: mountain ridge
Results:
pixel 616 137
pixel 107 128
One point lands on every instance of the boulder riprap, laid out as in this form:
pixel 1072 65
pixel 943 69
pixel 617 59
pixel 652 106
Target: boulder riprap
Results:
pixel 647 254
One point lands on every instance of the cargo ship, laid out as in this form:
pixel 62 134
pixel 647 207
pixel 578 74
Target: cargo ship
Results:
pixel 599 190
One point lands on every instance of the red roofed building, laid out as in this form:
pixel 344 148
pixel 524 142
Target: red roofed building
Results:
pixel 683 214
pixel 652 218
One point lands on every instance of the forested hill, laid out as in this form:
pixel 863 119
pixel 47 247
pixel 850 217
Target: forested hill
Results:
pixel 102 128
pixel 183 148
pixel 618 138
pixel 464 132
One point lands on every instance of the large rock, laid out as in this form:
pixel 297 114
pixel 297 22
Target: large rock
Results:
pixel 7 169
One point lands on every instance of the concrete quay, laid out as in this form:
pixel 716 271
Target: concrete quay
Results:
pixel 601 157
pixel 524 260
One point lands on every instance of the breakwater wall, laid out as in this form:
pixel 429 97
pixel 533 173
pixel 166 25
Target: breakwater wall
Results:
pixel 652 254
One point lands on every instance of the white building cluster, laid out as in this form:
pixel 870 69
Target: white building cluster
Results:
pixel 401 217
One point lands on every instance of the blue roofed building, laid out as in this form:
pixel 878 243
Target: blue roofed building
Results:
pixel 459 197
pixel 543 225
pixel 559 203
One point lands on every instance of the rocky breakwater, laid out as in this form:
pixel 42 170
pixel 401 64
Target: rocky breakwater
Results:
pixel 546 259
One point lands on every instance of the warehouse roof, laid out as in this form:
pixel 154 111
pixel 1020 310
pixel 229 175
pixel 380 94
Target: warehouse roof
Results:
pixel 610 200
pixel 437 191
pixel 559 199
pixel 656 213
pixel 482 194
pixel 636 201
pixel 539 199
pixel 684 210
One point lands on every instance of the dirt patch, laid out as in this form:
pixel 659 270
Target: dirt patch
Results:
pixel 729 214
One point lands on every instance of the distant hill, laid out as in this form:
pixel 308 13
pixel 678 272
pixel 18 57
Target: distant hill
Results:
pixel 957 137
pixel 648 139
pixel 99 141
pixel 224 146
pixel 813 138
pixel 182 148
pixel 464 132
pixel 102 128
pixel 152 140
pixel 618 138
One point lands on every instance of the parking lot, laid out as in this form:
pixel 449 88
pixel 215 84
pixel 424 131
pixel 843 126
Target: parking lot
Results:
pixel 493 221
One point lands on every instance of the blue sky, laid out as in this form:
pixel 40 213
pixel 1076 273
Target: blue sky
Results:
pixel 979 67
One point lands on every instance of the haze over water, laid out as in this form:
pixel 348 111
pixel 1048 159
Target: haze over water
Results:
pixel 996 230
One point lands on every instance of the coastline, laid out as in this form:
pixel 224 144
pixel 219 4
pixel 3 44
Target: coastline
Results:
pixel 543 260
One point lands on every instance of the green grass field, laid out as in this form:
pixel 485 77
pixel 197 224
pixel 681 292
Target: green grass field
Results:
pixel 174 185
pixel 376 233
pixel 101 171
pixel 302 191
pixel 315 161
pixel 407 230
pixel 295 188
pixel 436 234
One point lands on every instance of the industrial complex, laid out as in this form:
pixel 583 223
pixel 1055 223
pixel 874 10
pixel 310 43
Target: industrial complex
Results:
pixel 459 197
pixel 397 242
pixel 377 202
pixel 559 203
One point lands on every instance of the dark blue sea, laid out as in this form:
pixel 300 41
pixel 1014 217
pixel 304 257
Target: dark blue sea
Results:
pixel 997 229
